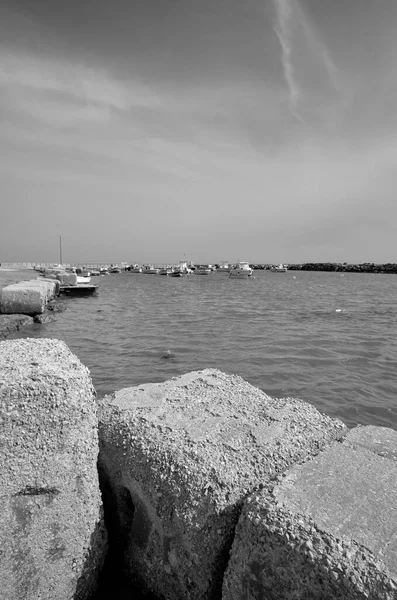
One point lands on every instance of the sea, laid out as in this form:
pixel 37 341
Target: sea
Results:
pixel 327 338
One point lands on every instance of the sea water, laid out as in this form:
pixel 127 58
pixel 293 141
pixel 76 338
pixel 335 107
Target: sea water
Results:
pixel 327 338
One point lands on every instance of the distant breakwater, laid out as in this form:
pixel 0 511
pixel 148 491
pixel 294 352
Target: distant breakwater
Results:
pixel 337 267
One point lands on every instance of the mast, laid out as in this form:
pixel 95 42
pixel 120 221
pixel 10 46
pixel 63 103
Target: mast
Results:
pixel 60 250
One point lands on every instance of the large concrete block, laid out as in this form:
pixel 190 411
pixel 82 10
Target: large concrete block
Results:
pixel 56 283
pixel 325 529
pixel 48 285
pixel 67 278
pixel 23 299
pixel 177 461
pixel 51 527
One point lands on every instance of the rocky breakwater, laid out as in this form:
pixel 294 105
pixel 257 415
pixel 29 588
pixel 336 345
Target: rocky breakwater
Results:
pixel 27 302
pixel 323 530
pixel 179 460
pixel 27 297
pixel 52 537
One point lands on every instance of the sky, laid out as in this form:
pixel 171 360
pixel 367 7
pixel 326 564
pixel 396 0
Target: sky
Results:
pixel 159 130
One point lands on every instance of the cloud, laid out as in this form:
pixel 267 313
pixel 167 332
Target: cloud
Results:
pixel 309 71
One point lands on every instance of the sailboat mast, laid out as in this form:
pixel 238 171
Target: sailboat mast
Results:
pixel 60 250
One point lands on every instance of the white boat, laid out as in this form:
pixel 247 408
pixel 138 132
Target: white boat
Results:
pixel 150 271
pixel 224 267
pixel 280 269
pixel 202 271
pixel 136 269
pixel 241 270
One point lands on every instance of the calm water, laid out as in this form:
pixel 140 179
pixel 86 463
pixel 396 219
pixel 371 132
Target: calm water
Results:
pixel 328 339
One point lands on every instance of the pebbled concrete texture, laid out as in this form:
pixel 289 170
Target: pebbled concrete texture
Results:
pixel 324 529
pixel 179 458
pixel 23 299
pixel 52 538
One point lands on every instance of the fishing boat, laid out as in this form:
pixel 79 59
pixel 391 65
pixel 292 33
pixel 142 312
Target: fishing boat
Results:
pixel 224 267
pixel 166 271
pixel 279 269
pixel 114 269
pixel 136 269
pixel 177 273
pixel 202 271
pixel 149 270
pixel 241 270
pixel 82 275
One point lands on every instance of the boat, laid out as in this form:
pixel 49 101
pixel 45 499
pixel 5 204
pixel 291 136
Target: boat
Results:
pixel 177 273
pixel 279 269
pixel 224 267
pixel 82 275
pixel 166 271
pixel 136 269
pixel 202 271
pixel 241 270
pixel 149 270
pixel 114 269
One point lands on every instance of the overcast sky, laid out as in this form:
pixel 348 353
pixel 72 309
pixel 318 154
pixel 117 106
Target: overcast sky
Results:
pixel 150 130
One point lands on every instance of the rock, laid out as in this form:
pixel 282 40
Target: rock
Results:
pixel 45 317
pixel 56 306
pixel 177 461
pixel 52 281
pixel 52 535
pixel 66 278
pixel 324 530
pixel 9 323
pixel 23 298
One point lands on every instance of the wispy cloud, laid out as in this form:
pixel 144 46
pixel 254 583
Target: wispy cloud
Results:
pixel 308 68
pixel 62 92
pixel 282 29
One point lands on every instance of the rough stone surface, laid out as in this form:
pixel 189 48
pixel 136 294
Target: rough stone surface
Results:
pixel 21 298
pixel 325 529
pixel 9 323
pixel 177 461
pixel 55 282
pixel 51 526
pixel 49 286
pixel 66 278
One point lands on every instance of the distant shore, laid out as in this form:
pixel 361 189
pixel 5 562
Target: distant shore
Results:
pixel 387 268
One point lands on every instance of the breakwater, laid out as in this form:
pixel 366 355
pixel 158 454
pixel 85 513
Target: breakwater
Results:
pixel 211 489
pixel 336 267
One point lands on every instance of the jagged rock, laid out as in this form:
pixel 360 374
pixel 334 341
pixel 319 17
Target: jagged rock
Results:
pixel 325 530
pixel 52 537
pixel 178 459
pixel 9 323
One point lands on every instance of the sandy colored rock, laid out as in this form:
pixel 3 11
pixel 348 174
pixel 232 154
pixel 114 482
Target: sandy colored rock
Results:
pixel 51 526
pixel 177 461
pixel 20 298
pixel 325 529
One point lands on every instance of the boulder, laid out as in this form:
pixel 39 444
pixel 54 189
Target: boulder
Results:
pixel 9 323
pixel 23 298
pixel 51 280
pixel 52 535
pixel 47 284
pixel 66 278
pixel 177 460
pixel 324 529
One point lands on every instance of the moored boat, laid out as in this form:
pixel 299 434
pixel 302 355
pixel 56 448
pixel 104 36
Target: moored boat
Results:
pixel 149 270
pixel 224 267
pixel 279 269
pixel 202 271
pixel 241 270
